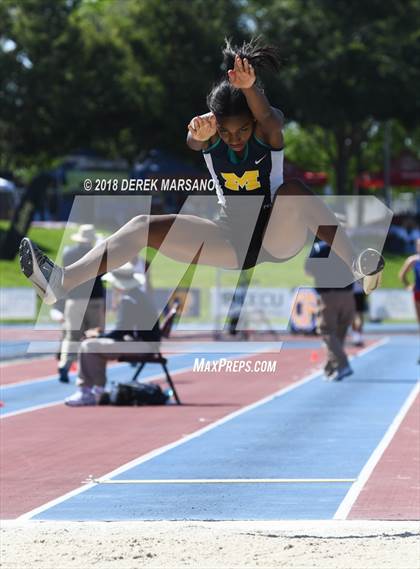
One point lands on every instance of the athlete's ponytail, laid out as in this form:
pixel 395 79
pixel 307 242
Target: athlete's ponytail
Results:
pixel 260 56
pixel 225 100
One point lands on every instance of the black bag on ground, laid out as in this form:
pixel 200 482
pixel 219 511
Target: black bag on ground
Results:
pixel 136 393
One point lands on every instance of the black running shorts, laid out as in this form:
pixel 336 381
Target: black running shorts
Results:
pixel 234 226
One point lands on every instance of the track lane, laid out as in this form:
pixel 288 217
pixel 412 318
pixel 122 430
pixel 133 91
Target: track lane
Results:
pixel 50 451
pixel 318 430
pixel 392 492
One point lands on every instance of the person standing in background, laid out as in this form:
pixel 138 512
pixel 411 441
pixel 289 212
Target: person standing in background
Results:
pixel 79 316
pixel 336 309
pixel 413 264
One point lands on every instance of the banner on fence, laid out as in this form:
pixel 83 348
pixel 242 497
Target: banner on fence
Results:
pixel 391 304
pixel 17 303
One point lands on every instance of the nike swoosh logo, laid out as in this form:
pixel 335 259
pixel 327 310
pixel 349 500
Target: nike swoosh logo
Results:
pixel 260 159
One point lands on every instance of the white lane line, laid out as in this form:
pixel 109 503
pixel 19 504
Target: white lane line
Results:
pixel 114 365
pixel 365 351
pixel 177 347
pixel 148 378
pixel 25 382
pixel 11 362
pixel 352 495
pixel 30 409
pixel 46 378
pixel 223 481
pixel 59 402
pixel 55 376
pixel 175 444
pixel 170 446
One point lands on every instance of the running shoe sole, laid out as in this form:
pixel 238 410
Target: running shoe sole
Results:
pixel 31 270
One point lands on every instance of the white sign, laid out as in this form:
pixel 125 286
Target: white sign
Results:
pixel 384 304
pixel 17 303
pixel 390 303
pixel 275 302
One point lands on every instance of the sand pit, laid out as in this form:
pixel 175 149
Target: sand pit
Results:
pixel 205 545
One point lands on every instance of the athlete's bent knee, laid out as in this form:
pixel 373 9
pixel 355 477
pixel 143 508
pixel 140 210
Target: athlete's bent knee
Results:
pixel 141 220
pixel 137 223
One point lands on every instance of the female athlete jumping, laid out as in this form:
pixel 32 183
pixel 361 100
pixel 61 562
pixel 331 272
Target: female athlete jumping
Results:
pixel 242 143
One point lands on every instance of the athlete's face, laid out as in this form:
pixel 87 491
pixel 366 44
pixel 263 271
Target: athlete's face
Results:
pixel 235 131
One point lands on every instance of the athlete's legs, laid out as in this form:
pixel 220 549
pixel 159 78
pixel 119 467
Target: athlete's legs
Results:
pixel 293 215
pixel 180 237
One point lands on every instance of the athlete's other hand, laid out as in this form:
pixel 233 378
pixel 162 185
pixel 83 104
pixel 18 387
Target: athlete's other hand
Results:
pixel 203 127
pixel 242 76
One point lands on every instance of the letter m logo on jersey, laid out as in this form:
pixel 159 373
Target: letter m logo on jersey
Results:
pixel 249 180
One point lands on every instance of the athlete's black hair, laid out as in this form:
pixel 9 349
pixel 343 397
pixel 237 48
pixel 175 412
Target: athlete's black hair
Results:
pixel 224 100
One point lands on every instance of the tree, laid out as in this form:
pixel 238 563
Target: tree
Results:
pixel 67 87
pixel 118 77
pixel 347 66
pixel 179 43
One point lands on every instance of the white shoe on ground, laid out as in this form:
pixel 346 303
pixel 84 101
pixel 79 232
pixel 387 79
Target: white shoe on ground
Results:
pixel 82 397
pixel 98 392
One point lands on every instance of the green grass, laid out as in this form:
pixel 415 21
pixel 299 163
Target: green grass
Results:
pixel 48 239
pixel 393 266
pixel 282 275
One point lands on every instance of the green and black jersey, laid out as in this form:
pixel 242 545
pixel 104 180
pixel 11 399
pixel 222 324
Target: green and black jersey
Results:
pixel 259 172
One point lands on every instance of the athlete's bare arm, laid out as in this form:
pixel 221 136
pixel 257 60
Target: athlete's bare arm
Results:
pixel 403 274
pixel 269 120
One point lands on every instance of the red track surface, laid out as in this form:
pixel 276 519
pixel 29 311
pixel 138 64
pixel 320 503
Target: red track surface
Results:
pixel 51 451
pixel 28 334
pixel 392 491
pixel 26 370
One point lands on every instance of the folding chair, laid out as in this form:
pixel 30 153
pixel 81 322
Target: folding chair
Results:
pixel 156 357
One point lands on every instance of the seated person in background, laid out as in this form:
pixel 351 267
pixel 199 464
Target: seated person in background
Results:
pixel 134 310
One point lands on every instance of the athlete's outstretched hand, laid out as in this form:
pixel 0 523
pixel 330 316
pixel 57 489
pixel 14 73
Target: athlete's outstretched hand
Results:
pixel 203 127
pixel 242 76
